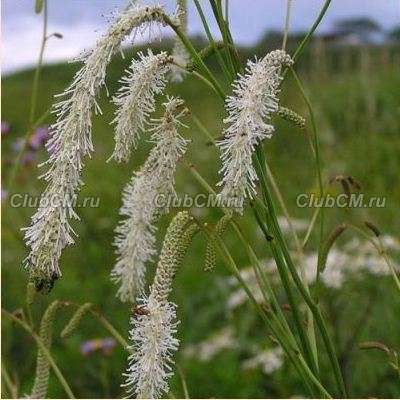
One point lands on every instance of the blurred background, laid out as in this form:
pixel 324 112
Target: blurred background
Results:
pixel 351 73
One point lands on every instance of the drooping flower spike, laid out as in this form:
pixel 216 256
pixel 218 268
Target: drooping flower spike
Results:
pixel 254 99
pixel 136 100
pixel 135 240
pixel 154 323
pixel 70 141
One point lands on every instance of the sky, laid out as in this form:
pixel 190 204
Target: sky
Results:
pixel 82 21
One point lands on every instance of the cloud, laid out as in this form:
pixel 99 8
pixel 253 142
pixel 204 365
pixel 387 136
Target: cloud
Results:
pixel 82 21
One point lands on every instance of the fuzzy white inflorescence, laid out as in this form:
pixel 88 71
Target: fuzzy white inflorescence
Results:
pixel 50 230
pixel 135 240
pixel 270 360
pixel 179 52
pixel 154 341
pixel 136 100
pixel 254 99
pixel 154 323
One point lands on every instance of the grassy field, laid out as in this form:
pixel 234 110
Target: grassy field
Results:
pixel 358 118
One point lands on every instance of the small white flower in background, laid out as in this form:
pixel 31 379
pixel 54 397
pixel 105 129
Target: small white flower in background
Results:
pixel 254 99
pixel 212 346
pixel 239 295
pixel 179 52
pixel 338 265
pixel 269 360
pixel 154 323
pixel 70 142
pixel 352 260
pixel 299 225
pixel 390 243
pixel 135 240
pixel 135 100
pixel 368 259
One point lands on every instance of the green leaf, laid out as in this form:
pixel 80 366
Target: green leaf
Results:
pixel 39 6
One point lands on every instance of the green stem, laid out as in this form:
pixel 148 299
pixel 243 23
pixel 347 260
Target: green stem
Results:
pixel 307 38
pixel 183 381
pixel 102 319
pixel 285 330
pixel 226 36
pixel 44 350
pixel 7 379
pixel 279 333
pixel 111 329
pixel 299 283
pixel 309 353
pixel 226 16
pixel 195 55
pixel 205 80
pixel 35 84
pixel 211 39
pixel 284 208
pixel 34 95
pixel 287 20
pixel 203 129
pixel 380 250
pixel 310 227
pixel 318 165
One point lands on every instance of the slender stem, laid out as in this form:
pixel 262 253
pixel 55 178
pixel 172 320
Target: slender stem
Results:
pixel 309 353
pixel 202 128
pixel 183 381
pixel 226 16
pixel 34 95
pixel 299 284
pixel 28 307
pixel 35 84
pixel 197 75
pixel 111 329
pixel 7 379
pixel 211 39
pixel 287 20
pixel 280 334
pixel 44 350
pixel 381 251
pixel 226 36
pixel 196 57
pixel 318 166
pixel 310 227
pixel 316 381
pixel 205 80
pixel 42 118
pixel 102 319
pixel 284 208
pixel 281 319
pixel 307 38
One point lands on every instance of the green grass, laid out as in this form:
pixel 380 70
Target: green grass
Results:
pixel 358 117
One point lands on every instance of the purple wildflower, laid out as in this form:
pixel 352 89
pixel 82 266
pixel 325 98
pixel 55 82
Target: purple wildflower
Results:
pixel 39 138
pixel 4 194
pixel 5 127
pixel 106 346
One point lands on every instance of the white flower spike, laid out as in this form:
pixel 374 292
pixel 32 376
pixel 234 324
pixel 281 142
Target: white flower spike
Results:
pixel 154 323
pixel 136 100
pixel 50 230
pixel 254 99
pixel 135 240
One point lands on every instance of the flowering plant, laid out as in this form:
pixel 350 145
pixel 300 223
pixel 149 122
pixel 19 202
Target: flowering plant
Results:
pixel 252 101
